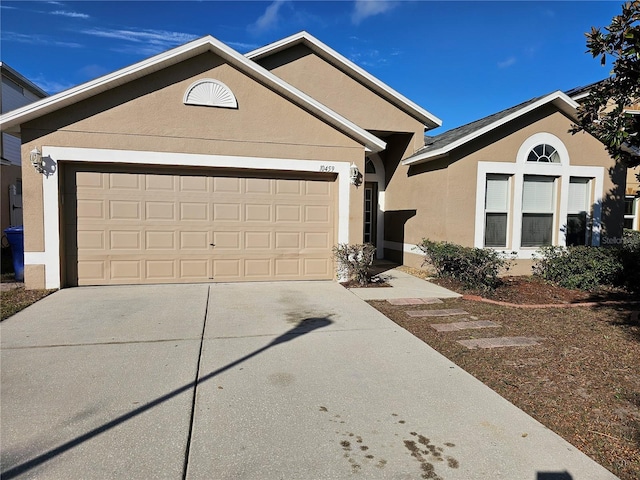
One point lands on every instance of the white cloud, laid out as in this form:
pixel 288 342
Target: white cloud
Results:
pixel 242 46
pixel 368 8
pixel 507 63
pixel 93 71
pixel 269 19
pixel 51 86
pixel 64 13
pixel 369 58
pixel 163 36
pixel 35 39
pixel 144 42
pixel 7 7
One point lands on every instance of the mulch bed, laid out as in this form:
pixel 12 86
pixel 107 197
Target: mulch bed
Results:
pixel 582 381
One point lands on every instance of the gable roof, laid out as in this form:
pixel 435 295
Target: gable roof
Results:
pixel 440 145
pixel 429 120
pixel 12 120
pixel 578 93
pixel 21 80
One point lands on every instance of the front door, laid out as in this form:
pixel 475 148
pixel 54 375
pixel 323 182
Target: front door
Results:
pixel 370 212
pixel 15 203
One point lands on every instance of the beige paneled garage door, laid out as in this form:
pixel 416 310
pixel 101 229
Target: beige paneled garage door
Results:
pixel 129 227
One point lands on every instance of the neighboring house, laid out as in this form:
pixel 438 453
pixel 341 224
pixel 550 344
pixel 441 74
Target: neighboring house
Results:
pixel 201 164
pixel 632 190
pixel 16 92
pixel 632 200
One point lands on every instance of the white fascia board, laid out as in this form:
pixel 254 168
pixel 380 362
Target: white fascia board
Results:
pixel 101 84
pixel 429 120
pixel 558 98
pixel 580 96
pixel 173 56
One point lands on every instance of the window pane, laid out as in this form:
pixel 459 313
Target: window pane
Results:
pixel 628 205
pixel 537 194
pixel 576 229
pixel 497 193
pixel 578 195
pixel 495 231
pixel 628 223
pixel 536 229
pixel 369 167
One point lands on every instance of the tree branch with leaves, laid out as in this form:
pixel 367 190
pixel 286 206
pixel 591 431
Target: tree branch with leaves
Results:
pixel 607 113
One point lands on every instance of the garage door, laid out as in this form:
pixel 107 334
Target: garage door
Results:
pixel 131 227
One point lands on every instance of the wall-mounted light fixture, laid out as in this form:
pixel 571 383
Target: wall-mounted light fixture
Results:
pixel 36 160
pixel 354 175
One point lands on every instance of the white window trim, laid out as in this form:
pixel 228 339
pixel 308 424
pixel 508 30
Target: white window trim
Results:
pixel 636 214
pixel 518 170
pixel 51 256
pixel 508 212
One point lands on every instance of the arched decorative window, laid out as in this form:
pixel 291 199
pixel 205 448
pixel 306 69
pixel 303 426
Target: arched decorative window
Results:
pixel 369 167
pixel 540 199
pixel 210 93
pixel 544 153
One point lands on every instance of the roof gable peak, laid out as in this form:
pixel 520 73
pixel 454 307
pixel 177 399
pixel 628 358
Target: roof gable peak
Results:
pixel 429 120
pixel 12 120
pixel 440 146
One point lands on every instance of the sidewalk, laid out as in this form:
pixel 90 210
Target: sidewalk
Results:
pixel 403 285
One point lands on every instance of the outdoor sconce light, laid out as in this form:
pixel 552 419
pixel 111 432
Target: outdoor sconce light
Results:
pixel 354 175
pixel 36 160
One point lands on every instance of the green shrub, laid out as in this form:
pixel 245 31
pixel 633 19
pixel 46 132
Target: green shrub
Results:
pixel 474 267
pixel 630 256
pixel 631 240
pixel 354 261
pixel 580 267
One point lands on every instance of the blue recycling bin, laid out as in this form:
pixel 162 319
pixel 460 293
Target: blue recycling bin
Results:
pixel 15 236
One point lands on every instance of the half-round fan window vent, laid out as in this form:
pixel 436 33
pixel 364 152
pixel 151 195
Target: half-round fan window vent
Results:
pixel 210 93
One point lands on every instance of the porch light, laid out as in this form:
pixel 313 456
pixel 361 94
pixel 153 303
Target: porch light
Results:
pixel 354 175
pixel 36 160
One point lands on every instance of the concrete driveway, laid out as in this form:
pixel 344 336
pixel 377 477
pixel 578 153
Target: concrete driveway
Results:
pixel 296 380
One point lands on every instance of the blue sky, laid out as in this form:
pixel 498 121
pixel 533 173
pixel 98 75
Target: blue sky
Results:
pixel 459 60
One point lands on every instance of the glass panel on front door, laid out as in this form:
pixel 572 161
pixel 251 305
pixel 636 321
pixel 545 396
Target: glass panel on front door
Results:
pixel 370 213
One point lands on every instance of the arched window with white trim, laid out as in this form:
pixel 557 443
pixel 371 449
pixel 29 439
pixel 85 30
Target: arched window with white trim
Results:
pixel 542 198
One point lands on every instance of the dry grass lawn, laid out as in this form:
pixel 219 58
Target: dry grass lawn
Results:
pixel 582 380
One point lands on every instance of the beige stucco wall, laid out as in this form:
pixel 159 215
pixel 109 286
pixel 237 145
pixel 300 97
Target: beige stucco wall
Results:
pixel 304 69
pixel 149 115
pixel 442 192
pixel 633 184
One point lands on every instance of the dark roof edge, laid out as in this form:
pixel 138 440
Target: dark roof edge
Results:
pixel 22 80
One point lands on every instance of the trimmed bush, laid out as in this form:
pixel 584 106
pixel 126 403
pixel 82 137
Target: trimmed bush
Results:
pixel 474 267
pixel 354 261
pixel 580 267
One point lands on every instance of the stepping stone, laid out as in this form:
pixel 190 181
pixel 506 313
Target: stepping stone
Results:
pixel 413 301
pixel 454 327
pixel 437 313
pixel 499 342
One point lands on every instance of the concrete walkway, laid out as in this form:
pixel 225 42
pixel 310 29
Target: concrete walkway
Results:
pixel 296 380
pixel 403 285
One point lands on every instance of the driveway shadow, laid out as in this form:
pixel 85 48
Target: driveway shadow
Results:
pixel 303 327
